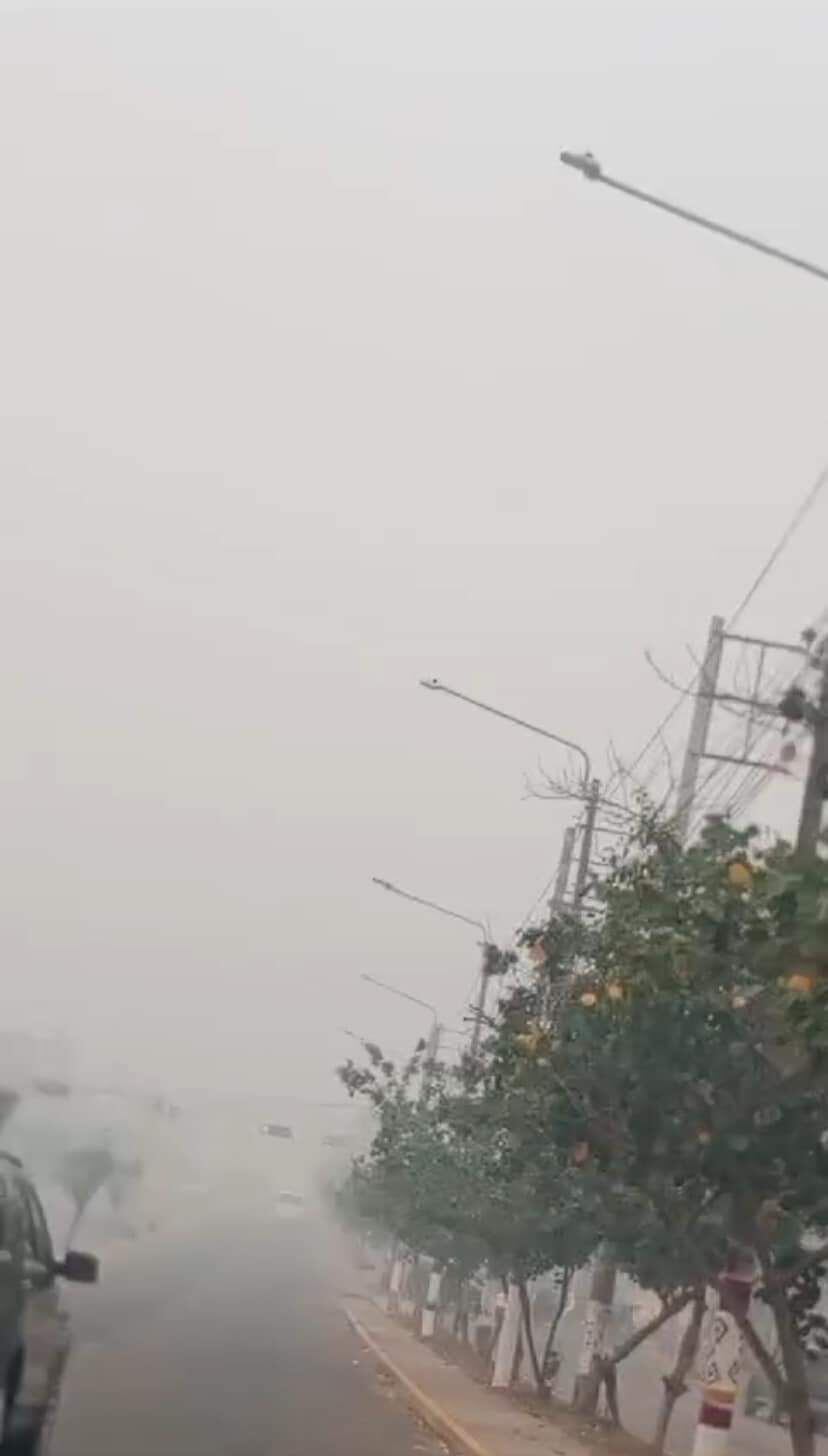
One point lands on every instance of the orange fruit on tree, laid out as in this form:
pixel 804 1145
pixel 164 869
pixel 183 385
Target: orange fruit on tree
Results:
pixel 801 983
pixel 739 876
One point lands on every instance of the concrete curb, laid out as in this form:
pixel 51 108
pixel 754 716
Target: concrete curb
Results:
pixel 434 1416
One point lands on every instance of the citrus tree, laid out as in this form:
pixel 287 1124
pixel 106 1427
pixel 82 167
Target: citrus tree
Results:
pixel 684 1072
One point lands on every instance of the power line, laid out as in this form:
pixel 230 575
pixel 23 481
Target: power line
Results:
pixel 798 517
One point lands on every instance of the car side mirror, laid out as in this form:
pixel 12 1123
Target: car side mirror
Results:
pixel 79 1268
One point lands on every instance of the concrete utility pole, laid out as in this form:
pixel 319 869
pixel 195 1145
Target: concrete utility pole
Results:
pixel 700 724
pixel 432 1053
pixel 587 836
pixel 491 966
pixel 563 871
pixel 758 710
pixel 816 784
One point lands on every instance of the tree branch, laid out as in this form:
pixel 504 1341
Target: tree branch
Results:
pixel 761 1354
pixel 665 1313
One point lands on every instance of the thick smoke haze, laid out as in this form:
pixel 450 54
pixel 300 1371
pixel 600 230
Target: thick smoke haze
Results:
pixel 320 375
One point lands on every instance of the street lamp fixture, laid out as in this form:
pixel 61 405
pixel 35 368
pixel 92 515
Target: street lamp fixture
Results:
pixel 591 168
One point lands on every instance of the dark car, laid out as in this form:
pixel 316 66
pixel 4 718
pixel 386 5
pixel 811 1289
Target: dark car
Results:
pixel 34 1337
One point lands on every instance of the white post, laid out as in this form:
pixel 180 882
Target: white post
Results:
pixel 395 1283
pixel 507 1341
pixel 720 1361
pixel 406 1302
pixel 432 1300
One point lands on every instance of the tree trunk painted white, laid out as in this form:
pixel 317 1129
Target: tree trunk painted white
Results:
pixel 394 1284
pixel 507 1341
pixel 432 1301
pixel 720 1361
pixel 596 1326
pixel 406 1300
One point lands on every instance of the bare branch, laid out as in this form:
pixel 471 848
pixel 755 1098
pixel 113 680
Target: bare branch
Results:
pixel 683 692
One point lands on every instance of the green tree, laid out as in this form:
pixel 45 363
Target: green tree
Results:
pixel 467 1174
pixel 685 1072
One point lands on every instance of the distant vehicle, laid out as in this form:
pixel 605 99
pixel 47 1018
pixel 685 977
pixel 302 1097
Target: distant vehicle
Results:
pixel 289 1206
pixel 335 1140
pixel 276 1130
pixel 51 1087
pixel 34 1338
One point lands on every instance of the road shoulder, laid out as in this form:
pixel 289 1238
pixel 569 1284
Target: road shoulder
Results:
pixel 473 1420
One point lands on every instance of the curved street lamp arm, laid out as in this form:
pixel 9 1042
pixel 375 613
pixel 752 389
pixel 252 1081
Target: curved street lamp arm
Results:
pixel 394 990
pixel 435 686
pixel 590 167
pixel 430 905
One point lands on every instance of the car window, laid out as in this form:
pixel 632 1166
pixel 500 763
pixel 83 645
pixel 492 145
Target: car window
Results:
pixel 38 1242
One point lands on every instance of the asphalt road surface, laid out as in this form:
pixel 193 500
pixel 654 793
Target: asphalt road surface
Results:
pixel 223 1336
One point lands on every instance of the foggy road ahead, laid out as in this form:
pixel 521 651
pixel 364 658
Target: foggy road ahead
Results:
pixel 225 1338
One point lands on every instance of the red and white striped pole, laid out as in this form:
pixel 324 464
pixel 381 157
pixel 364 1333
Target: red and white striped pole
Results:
pixel 721 1358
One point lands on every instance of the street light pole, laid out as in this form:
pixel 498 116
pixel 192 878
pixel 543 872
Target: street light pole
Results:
pixel 591 790
pixel 485 971
pixel 432 1047
pixel 591 168
pixel 435 686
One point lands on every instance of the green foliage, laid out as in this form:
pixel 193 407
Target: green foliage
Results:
pixel 686 1071
pixel 658 1079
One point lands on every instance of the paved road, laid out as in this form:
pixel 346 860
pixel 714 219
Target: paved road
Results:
pixel 225 1339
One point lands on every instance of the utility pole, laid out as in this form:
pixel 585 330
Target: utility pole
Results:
pixel 816 784
pixel 492 965
pixel 563 871
pixel 430 1056
pixel 587 835
pixel 602 1282
pixel 700 724
pixel 708 695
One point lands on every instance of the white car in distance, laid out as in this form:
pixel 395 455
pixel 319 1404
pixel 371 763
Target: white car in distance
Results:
pixel 290 1206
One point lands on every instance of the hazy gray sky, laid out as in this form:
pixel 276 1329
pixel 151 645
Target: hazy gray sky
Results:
pixel 319 375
